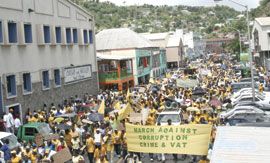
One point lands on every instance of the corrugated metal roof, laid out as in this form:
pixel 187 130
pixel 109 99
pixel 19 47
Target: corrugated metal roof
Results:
pixel 263 21
pixel 120 38
pixel 112 57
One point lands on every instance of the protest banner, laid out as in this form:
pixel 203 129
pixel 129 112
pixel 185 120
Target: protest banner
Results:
pixel 188 83
pixel 135 117
pixel 241 144
pixel 62 156
pixel 182 139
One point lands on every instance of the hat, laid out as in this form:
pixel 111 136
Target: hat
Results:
pixel 13 152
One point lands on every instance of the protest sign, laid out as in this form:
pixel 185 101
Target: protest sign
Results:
pixel 182 139
pixel 39 138
pixel 135 117
pixel 188 83
pixel 241 144
pixel 62 156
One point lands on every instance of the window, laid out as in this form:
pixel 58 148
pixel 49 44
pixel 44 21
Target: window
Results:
pixel 45 80
pixel 30 131
pixel 75 35
pixel 58 35
pixel 1 32
pixel 57 77
pixel 12 32
pixel 68 35
pixel 11 85
pixel 47 34
pixel 28 33
pixel 27 85
pixel 90 36
pixel 85 37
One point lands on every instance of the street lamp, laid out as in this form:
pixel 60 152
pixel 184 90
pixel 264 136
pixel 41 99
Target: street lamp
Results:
pixel 249 49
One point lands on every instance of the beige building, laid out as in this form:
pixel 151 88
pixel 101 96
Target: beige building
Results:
pixel 47 53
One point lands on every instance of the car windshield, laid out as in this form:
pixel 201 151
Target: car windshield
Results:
pixel 163 118
pixel 44 129
pixel 12 141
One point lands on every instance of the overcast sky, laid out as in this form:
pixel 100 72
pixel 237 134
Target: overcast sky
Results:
pixel 250 3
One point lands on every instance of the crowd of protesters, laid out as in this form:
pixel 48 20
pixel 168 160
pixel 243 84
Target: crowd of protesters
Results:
pixel 104 140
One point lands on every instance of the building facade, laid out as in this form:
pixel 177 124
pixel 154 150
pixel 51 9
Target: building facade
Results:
pixel 261 39
pixel 47 53
pixel 115 73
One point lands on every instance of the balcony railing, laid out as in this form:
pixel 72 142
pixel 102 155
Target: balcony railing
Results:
pixel 113 75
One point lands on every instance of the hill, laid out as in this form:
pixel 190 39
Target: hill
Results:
pixel 149 18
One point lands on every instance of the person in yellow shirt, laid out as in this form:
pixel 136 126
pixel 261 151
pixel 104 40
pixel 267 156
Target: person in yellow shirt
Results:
pixel 151 120
pixel 261 88
pixel 90 146
pixel 97 153
pixel 15 158
pixel 34 157
pixel 109 145
pixel 197 118
pixel 117 142
pixel 153 111
pixel 27 152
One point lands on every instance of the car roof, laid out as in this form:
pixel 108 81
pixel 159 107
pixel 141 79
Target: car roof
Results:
pixel 4 134
pixel 34 124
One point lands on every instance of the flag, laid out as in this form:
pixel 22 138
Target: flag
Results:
pixel 168 75
pixel 128 94
pixel 101 108
pixel 151 80
pixel 123 113
pixel 117 105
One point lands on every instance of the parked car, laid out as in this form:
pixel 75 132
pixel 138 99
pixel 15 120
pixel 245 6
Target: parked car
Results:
pixel 248 98
pixel 13 142
pixel 257 105
pixel 238 86
pixel 28 131
pixel 230 112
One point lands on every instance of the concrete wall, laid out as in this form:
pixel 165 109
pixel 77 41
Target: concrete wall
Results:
pixel 264 39
pixel 172 54
pixel 54 95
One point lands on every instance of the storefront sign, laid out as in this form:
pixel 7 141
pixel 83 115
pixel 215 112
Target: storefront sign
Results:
pixel 73 74
pixel 182 139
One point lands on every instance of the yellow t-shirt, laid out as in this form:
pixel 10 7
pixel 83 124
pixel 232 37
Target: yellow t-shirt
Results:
pixel 90 144
pixel 116 138
pixel 16 159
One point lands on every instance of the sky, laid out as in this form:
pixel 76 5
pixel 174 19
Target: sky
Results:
pixel 250 3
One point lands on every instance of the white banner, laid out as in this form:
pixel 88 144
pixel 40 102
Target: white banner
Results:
pixel 241 145
pixel 73 74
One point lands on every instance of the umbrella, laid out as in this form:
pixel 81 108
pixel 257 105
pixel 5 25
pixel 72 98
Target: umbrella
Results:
pixel 193 109
pixel 63 126
pixel 95 117
pixel 59 119
pixel 215 102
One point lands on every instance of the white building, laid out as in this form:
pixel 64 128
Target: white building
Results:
pixel 47 53
pixel 261 39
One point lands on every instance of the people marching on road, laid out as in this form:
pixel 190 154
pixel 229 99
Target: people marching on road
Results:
pixel 92 128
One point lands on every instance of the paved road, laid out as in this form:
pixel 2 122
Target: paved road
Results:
pixel 169 159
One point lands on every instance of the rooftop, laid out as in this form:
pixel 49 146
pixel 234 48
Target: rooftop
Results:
pixel 263 21
pixel 112 57
pixel 155 36
pixel 120 38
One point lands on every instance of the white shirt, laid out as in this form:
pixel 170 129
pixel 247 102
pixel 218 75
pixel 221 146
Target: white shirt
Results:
pixel 8 118
pixel 97 138
pixel 17 122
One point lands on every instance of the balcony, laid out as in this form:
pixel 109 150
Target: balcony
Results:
pixel 113 75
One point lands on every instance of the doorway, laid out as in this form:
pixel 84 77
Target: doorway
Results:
pixel 17 111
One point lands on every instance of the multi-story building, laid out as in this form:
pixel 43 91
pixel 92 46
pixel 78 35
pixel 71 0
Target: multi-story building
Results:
pixel 47 53
pixel 261 39
pixel 115 72
pixel 125 42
